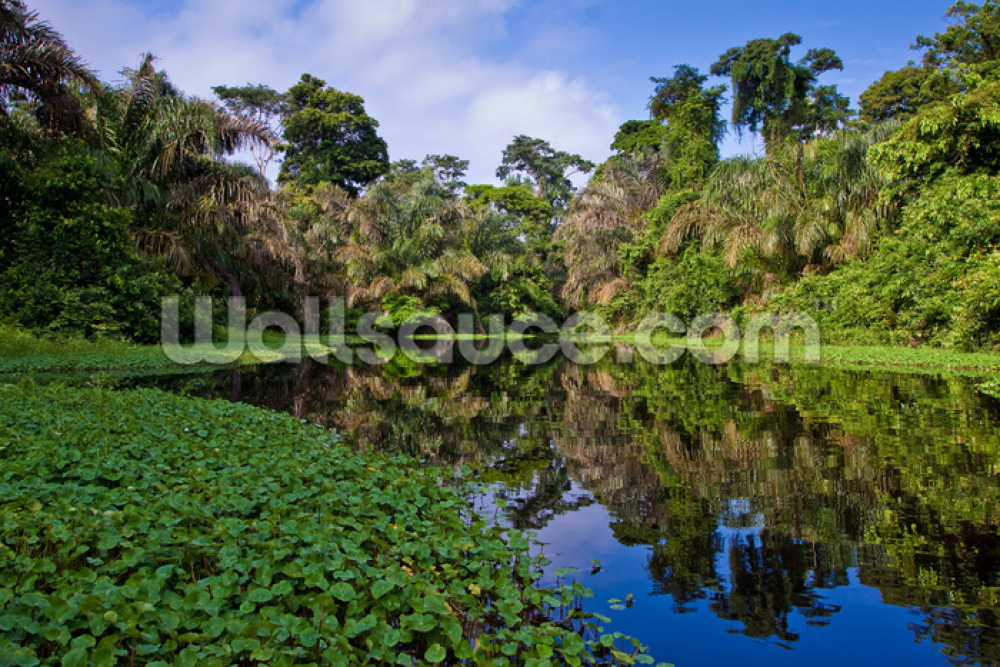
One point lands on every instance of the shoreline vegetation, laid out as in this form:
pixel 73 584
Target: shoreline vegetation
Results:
pixel 22 354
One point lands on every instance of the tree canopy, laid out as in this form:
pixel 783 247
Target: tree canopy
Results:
pixel 38 67
pixel 545 168
pixel 779 97
pixel 330 138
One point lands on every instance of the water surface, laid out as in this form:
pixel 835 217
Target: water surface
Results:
pixel 766 515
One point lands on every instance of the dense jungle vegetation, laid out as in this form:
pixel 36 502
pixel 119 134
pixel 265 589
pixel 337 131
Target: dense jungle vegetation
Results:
pixel 881 222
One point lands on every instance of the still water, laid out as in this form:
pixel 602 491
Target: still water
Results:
pixel 755 514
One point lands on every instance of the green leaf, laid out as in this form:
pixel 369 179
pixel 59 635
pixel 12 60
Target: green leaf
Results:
pixel 260 595
pixel 436 653
pixel 75 658
pixel 382 587
pixel 343 591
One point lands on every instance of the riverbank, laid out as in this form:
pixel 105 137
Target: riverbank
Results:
pixel 22 353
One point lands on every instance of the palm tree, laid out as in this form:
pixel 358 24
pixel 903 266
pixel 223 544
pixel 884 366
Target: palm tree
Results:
pixel 204 215
pixel 37 66
pixel 814 204
pixel 409 240
pixel 608 213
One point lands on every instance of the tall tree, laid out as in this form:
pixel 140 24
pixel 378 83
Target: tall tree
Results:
pixel 799 205
pixel 546 169
pixel 408 240
pixel 262 104
pixel 694 126
pixel 778 97
pixel 36 65
pixel 901 93
pixel 608 213
pixel 448 170
pixel 205 215
pixel 973 38
pixel 329 137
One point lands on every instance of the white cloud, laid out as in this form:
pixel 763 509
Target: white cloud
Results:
pixel 423 66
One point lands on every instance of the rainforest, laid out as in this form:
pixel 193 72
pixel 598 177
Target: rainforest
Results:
pixel 299 506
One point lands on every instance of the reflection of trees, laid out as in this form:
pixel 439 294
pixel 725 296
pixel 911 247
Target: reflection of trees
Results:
pixel 756 489
pixel 933 448
pixel 549 496
pixel 772 575
pixel 832 470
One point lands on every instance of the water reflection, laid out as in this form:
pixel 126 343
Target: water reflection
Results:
pixel 798 508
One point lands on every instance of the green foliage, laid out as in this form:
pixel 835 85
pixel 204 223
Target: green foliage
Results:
pixel 978 312
pixel 778 97
pixel 689 284
pixel 607 217
pixel 534 213
pixel 973 38
pixel 694 126
pixel 800 206
pixel 962 133
pixel 547 169
pixel 901 93
pixel 413 239
pixel 142 526
pixel 330 138
pixel 41 69
pixel 638 135
pixel 922 277
pixel 68 264
pixel 448 170
pixel 400 309
pixel 261 103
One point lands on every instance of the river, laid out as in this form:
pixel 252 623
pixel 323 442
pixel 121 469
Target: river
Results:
pixel 721 514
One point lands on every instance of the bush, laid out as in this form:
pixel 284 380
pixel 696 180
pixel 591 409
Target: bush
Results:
pixel 920 279
pixel 978 313
pixel 689 284
pixel 68 265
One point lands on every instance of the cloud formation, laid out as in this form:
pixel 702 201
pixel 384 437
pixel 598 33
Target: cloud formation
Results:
pixel 423 66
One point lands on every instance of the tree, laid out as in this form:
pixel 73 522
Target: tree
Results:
pixel 205 216
pixel 408 240
pixel 960 134
pixel 545 168
pixel 262 104
pixel 607 214
pixel 448 170
pixel 638 135
pixel 534 213
pixel 799 205
pixel 973 39
pixel 901 93
pixel 37 66
pixel 694 127
pixel 330 138
pixel 68 263
pixel 780 98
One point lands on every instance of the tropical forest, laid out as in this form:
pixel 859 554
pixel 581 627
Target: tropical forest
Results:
pixel 179 486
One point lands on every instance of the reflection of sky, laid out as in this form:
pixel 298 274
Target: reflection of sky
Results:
pixel 864 631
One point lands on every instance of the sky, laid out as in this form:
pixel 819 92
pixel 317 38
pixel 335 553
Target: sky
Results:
pixel 465 76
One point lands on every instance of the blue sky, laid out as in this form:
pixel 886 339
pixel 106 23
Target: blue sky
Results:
pixel 465 76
